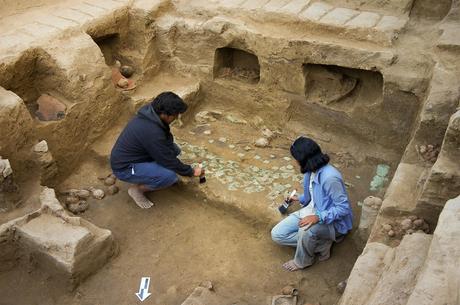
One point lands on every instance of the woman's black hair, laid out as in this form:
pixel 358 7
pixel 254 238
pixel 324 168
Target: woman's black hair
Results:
pixel 309 155
pixel 169 103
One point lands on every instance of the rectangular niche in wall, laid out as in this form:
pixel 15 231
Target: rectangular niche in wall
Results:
pixel 39 82
pixel 236 64
pixel 341 88
pixel 110 47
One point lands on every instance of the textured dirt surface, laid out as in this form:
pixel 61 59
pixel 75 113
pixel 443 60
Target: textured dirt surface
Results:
pixel 371 81
pixel 179 243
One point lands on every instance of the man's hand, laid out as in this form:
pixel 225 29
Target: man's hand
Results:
pixel 311 219
pixel 198 171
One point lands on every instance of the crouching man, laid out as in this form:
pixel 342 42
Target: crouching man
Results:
pixel 326 216
pixel 145 153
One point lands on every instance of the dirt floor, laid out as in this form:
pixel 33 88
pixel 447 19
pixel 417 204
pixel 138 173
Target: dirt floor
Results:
pixel 190 236
pixel 187 238
pixel 179 243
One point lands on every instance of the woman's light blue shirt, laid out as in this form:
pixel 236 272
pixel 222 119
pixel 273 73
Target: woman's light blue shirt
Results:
pixel 330 197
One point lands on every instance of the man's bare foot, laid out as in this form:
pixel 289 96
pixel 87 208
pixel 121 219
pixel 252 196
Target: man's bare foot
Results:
pixel 291 266
pixel 139 198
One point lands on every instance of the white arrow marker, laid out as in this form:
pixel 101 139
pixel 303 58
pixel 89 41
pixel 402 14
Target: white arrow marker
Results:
pixel 143 293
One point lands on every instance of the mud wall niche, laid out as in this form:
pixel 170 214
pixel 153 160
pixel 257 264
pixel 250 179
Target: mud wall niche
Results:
pixel 341 88
pixel 236 64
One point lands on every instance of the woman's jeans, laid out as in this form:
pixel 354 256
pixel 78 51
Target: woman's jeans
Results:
pixel 315 240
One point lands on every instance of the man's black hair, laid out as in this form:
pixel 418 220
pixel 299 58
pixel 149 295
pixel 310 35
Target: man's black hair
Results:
pixel 309 155
pixel 168 103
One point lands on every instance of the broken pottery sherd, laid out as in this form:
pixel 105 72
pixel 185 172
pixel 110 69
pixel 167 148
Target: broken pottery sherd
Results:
pixel 50 108
pixel 289 290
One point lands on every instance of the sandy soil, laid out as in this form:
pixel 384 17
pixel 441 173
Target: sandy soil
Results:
pixel 179 243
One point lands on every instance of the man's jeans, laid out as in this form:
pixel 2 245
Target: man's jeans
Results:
pixel 317 239
pixel 150 174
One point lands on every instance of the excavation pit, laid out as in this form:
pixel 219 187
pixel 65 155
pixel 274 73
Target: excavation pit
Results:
pixel 253 84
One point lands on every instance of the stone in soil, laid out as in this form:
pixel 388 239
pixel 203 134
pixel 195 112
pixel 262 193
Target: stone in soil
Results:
pixel 5 168
pixel 109 181
pixel 262 142
pixel 41 147
pixel 97 193
pixel 267 133
pixel 78 207
pixel 406 224
pixel 126 71
pixel 112 190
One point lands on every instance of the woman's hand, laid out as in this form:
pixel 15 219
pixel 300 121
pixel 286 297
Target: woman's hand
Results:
pixel 293 198
pixel 311 219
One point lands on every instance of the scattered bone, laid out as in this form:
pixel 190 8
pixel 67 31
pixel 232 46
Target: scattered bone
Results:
pixel 262 142
pixel 126 71
pixel 267 133
pixel 233 118
pixel 112 190
pixel 250 75
pixel 205 116
pixel 391 233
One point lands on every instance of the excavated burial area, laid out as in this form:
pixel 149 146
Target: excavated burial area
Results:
pixel 188 237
